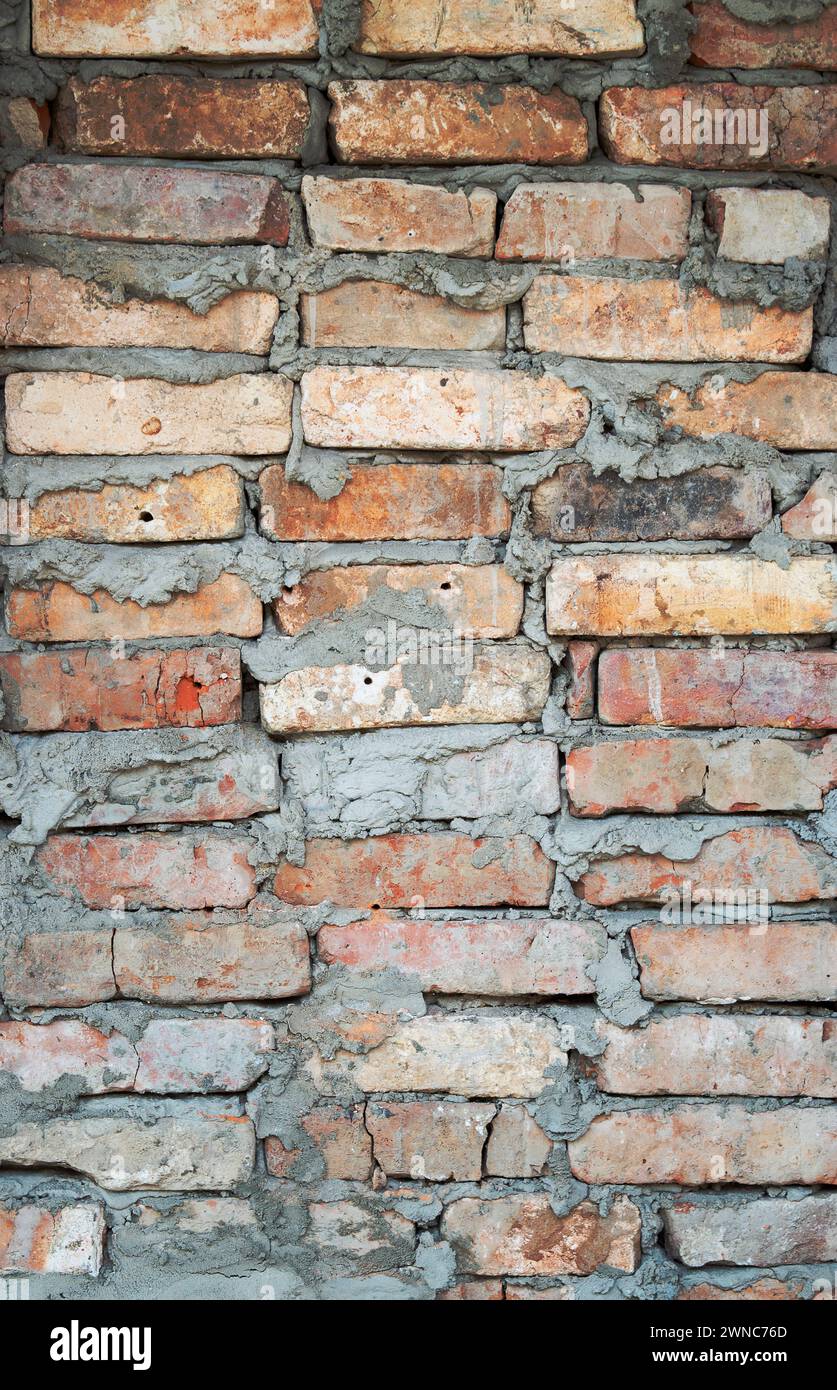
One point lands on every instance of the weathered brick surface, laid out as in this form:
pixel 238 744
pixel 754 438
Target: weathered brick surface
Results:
pixel 36 1240
pixel 41 308
pixel 766 227
pixel 575 505
pixel 204 118
pixel 485 957
pixel 773 859
pixel 522 1235
pixel 697 1144
pixel 132 203
pixel 442 869
pixel 670 775
pixel 153 28
pixel 789 410
pixel 422 408
pixel 364 313
pixel 56 612
pixel 417 684
pixel 766 1232
pixel 697 1054
pixel 652 685
pixel 83 413
pixel 374 214
pixel 723 39
pixel 400 28
pixel 147 870
pixel 766 961
pixel 74 691
pixel 656 321
pixel 591 221
pixel 206 506
pixel 389 501
pixel 403 122
pixel 705 126
pixel 481 600
pixel 644 595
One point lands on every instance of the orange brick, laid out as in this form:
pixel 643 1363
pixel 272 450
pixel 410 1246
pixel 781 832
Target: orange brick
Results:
pixel 480 600
pixel 154 28
pixel 56 612
pixel 657 321
pixel 437 868
pixel 790 410
pixel 375 214
pixel 35 1240
pixel 403 122
pixel 417 28
pixel 723 40
pixel 59 969
pixel 372 313
pixel 520 1234
pixel 589 221
pixel 203 506
pixel 771 961
pixel 433 1140
pixel 40 307
pixel 789 127
pixel 389 501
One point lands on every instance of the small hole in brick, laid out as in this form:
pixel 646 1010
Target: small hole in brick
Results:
pixel 146 516
pixel 367 680
pixel 446 585
pixel 376 907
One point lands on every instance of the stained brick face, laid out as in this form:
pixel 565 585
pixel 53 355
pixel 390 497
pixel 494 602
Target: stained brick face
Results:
pixel 418 694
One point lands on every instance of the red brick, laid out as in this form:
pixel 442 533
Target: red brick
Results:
pixel 114 202
pixel 377 214
pixel 178 117
pixel 657 321
pixel 726 1055
pixel 699 1144
pixel 581 695
pixel 721 689
pixel 472 1291
pixel 403 122
pixel 666 775
pixel 415 29
pixel 590 221
pixel 75 691
pixel 770 961
pixel 340 1134
pixel 36 1240
pixel 762 1291
pixel 490 958
pixel 389 501
pixel 85 413
pixel 39 307
pixel 797 123
pixel 723 40
pixel 374 313
pixel 56 612
pixel 815 517
pixel 149 870
pixel 433 1140
pixel 438 869
pixel 213 957
pixel 790 410
pixel 202 1054
pixel 432 408
pixel 770 859
pixel 520 1234
pixel 480 600
pixel 59 969
pixel 576 505
pixel 156 29
pixel 517 1146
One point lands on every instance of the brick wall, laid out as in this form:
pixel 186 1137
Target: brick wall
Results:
pixel 418 777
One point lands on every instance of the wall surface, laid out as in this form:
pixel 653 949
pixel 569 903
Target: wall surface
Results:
pixel 419 825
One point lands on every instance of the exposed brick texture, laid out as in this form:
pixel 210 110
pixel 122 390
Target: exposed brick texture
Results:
pixel 418 693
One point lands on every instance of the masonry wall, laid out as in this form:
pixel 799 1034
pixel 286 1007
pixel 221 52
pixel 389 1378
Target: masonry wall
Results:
pixel 419 843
